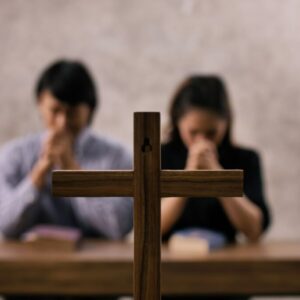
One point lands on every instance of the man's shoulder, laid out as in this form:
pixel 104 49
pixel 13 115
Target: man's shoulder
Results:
pixel 104 143
pixel 28 143
pixel 106 152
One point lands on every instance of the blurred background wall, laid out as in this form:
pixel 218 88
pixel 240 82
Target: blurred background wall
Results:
pixel 139 50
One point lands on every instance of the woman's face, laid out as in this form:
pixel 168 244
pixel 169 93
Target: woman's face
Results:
pixel 200 123
pixel 57 115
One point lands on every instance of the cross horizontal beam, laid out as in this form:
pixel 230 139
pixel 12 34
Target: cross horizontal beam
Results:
pixel 92 183
pixel 206 183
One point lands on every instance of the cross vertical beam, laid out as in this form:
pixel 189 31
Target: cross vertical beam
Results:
pixel 147 236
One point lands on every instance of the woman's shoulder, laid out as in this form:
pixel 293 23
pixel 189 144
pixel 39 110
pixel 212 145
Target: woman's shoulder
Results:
pixel 245 152
pixel 172 147
pixel 245 156
pixel 166 147
pixel 173 155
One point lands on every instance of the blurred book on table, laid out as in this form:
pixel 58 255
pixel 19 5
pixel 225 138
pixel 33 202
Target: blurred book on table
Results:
pixel 52 238
pixel 195 241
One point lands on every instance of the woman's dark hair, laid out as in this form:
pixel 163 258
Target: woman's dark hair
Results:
pixel 70 82
pixel 204 92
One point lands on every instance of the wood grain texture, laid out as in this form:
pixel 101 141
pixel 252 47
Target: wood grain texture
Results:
pixel 92 183
pixel 173 183
pixel 216 183
pixel 147 237
pixel 105 267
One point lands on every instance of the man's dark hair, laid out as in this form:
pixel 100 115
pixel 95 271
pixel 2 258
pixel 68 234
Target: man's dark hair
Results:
pixel 70 82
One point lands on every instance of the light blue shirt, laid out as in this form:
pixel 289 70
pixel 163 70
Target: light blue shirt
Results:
pixel 23 206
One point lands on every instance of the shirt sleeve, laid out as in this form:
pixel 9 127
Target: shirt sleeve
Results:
pixel 17 193
pixel 254 186
pixel 111 217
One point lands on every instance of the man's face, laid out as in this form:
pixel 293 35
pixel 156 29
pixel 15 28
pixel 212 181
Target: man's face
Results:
pixel 57 115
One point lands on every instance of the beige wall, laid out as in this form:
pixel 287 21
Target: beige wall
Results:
pixel 139 50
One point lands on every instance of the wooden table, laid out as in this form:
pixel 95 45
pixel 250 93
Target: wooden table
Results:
pixel 106 268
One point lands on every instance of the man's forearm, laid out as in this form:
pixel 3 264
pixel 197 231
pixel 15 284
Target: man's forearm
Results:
pixel 13 203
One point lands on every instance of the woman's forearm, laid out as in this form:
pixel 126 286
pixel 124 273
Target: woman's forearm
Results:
pixel 244 215
pixel 171 210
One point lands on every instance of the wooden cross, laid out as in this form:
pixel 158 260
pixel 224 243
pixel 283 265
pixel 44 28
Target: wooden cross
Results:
pixel 147 183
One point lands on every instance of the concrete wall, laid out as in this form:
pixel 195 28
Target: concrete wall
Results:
pixel 139 50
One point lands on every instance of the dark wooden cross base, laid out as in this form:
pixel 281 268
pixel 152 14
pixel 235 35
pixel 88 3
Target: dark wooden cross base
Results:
pixel 147 183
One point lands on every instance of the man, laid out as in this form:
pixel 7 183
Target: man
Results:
pixel 66 99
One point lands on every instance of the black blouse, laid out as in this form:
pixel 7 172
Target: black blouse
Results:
pixel 208 213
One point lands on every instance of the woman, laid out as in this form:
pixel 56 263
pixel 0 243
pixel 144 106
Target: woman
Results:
pixel 200 138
